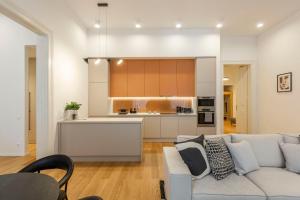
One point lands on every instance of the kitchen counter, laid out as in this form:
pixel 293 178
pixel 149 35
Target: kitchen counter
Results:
pixel 149 115
pixel 105 120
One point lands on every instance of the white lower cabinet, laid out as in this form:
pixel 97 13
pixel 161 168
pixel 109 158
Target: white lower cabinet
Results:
pixel 152 127
pixel 169 127
pixel 187 125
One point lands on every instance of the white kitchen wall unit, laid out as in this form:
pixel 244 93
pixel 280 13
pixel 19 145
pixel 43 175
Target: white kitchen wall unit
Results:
pixel 206 76
pixel 98 88
pixel 98 99
pixel 169 127
pixel 187 125
pixel 152 127
pixel 98 73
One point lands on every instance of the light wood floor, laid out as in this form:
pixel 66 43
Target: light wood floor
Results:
pixel 111 181
pixel 228 128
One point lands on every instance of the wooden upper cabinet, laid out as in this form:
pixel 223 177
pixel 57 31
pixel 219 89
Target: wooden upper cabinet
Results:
pixel 136 78
pixel 186 78
pixel 118 79
pixel 151 78
pixel 167 77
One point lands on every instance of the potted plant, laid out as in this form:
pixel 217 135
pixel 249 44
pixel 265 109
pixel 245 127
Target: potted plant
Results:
pixel 71 110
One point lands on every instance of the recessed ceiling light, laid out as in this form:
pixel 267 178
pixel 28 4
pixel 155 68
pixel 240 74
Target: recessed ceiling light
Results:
pixel 178 25
pixel 219 25
pixel 97 25
pixel 226 78
pixel 138 25
pixel 260 25
pixel 97 61
pixel 120 61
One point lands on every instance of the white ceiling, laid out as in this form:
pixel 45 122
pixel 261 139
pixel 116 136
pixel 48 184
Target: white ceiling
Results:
pixel 238 16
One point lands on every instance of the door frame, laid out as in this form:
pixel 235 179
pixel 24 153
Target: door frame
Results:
pixel 252 100
pixel 44 103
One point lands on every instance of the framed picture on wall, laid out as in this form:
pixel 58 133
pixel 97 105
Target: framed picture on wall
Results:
pixel 284 82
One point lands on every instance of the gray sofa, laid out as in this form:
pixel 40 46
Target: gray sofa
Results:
pixel 272 181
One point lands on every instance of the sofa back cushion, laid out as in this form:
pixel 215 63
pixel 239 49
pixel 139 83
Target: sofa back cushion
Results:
pixel 292 138
pixel 266 148
pixel 182 138
pixel 291 154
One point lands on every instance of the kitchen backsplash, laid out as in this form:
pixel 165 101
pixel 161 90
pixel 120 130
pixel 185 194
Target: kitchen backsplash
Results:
pixel 151 105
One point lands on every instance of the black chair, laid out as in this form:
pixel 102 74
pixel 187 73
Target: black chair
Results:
pixel 92 198
pixel 53 162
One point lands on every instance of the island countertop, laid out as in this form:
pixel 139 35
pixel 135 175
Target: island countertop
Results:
pixel 106 120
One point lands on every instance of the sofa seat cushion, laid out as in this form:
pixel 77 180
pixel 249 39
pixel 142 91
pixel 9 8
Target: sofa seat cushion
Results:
pixel 277 183
pixel 266 148
pixel 233 187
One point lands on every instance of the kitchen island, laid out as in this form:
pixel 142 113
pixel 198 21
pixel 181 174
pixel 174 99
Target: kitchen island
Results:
pixel 102 139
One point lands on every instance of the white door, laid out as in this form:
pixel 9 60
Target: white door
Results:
pixel 242 101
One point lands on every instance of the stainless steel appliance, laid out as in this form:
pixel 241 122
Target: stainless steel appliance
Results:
pixel 206 111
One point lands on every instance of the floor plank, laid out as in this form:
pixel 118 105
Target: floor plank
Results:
pixel 111 181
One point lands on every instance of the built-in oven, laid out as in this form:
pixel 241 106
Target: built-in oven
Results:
pixel 206 111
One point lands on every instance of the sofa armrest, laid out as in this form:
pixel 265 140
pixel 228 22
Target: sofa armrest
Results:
pixel 177 176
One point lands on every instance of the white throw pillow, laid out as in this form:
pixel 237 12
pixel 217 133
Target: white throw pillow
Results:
pixel 243 157
pixel 291 154
pixel 265 147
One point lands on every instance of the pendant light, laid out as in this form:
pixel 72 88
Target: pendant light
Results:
pixel 98 25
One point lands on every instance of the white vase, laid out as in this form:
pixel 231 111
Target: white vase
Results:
pixel 71 114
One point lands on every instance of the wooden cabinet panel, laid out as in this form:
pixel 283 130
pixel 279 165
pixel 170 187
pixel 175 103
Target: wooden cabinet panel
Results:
pixel 152 78
pixel 136 78
pixel 118 79
pixel 167 78
pixel 186 78
pixel 187 125
pixel 169 127
pixel 152 127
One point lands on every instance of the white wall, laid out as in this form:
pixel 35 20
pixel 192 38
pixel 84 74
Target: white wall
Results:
pixel 238 48
pixel 68 72
pixel 156 43
pixel 278 52
pixel 12 85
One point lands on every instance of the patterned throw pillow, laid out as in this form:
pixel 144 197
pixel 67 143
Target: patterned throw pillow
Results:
pixel 219 158
pixel 194 156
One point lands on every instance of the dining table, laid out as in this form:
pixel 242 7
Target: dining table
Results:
pixel 28 186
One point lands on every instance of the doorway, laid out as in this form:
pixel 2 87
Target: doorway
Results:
pixel 236 98
pixel 30 52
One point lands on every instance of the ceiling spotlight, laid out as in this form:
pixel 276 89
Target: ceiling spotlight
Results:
pixel 97 61
pixel 219 25
pixel 259 25
pixel 97 25
pixel 120 61
pixel 137 25
pixel 226 78
pixel 178 25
